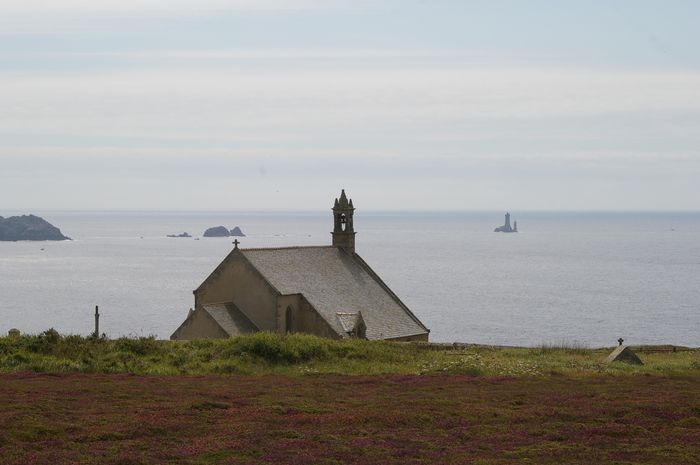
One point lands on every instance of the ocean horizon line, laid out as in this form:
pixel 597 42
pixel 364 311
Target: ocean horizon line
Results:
pixel 16 211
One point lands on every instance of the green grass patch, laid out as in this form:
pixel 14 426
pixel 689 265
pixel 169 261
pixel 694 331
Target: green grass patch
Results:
pixel 301 354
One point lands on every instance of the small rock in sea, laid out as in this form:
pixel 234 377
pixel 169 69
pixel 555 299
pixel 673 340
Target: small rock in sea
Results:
pixel 237 232
pixel 218 231
pixel 179 235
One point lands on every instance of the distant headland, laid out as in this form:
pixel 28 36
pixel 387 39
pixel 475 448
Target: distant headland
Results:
pixel 29 228
pixel 506 228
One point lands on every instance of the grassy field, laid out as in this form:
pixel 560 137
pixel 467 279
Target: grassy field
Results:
pixel 297 354
pixel 266 399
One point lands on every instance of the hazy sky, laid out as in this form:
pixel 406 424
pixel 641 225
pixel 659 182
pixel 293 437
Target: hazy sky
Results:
pixel 408 104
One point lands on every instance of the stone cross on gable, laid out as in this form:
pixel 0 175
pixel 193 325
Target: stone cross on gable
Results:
pixel 235 244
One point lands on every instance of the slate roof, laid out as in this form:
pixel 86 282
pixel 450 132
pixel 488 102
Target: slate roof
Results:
pixel 334 281
pixel 230 318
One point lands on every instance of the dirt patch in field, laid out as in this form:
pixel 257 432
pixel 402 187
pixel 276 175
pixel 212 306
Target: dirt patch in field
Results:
pixel 398 419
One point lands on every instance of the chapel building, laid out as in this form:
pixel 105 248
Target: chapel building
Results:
pixel 329 291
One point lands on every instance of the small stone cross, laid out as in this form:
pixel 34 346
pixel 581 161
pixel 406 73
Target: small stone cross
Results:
pixel 620 341
pixel 235 244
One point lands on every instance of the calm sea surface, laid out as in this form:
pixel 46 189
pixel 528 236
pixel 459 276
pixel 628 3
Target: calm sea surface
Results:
pixel 565 278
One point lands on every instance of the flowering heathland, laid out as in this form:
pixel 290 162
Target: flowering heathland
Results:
pixel 331 419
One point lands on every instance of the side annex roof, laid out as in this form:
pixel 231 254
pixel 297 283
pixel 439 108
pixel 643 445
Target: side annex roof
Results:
pixel 230 318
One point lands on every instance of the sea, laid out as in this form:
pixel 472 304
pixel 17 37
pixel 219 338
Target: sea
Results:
pixel 573 279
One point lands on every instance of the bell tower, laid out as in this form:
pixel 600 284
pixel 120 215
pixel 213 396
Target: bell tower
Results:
pixel 343 229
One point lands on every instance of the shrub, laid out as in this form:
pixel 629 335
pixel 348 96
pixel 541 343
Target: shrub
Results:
pixel 44 343
pixel 272 348
pixel 138 346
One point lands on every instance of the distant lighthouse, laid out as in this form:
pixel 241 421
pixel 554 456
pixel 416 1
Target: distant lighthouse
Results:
pixel 506 228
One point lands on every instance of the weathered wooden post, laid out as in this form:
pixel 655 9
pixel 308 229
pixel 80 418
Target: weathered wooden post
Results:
pixel 97 321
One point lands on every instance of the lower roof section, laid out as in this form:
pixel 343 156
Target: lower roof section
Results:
pixel 230 318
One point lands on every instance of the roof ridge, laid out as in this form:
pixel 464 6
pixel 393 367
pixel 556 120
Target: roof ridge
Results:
pixel 292 247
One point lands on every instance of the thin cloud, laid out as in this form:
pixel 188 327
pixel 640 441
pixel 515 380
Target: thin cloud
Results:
pixel 42 6
pixel 70 17
pixel 249 104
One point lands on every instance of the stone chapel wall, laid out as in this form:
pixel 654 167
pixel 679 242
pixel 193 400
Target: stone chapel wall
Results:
pixel 240 283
